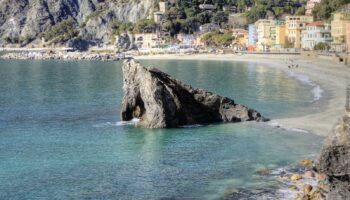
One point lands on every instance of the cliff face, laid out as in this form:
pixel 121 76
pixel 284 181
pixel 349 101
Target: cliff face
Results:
pixel 160 101
pixel 335 160
pixel 22 19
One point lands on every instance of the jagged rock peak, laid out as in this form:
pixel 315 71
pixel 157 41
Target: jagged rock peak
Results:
pixel 160 101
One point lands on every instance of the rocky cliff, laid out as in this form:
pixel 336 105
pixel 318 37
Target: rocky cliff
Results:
pixel 335 160
pixel 160 101
pixel 22 20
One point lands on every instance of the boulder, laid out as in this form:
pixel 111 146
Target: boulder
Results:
pixel 295 177
pixel 307 189
pixel 309 174
pixel 334 160
pixel 160 101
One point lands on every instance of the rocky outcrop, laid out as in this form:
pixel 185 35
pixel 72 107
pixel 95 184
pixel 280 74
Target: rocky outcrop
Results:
pixel 335 160
pixel 160 101
pixel 22 20
pixel 52 55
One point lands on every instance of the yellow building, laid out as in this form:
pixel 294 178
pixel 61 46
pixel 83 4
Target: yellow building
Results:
pixel 338 24
pixel 263 29
pixel 280 36
pixel 294 26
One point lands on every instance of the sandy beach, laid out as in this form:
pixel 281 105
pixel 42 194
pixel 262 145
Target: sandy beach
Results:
pixel 331 76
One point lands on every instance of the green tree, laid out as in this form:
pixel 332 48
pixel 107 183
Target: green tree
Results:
pixel 300 11
pixel 144 23
pixel 62 32
pixel 326 7
pixel 219 17
pixel 321 46
pixel 218 39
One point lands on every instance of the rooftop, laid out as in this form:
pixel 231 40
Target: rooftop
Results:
pixel 316 23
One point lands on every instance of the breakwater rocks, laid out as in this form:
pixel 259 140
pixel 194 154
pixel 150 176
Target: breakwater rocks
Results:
pixel 61 56
pixel 160 101
pixel 334 160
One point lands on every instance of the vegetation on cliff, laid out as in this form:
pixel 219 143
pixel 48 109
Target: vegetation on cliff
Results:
pixel 62 32
pixel 325 9
pixel 218 39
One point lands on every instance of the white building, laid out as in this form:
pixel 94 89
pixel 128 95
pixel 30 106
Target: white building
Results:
pixel 187 40
pixel 315 32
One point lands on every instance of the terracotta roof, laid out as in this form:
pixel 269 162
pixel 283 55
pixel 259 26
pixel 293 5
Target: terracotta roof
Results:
pixel 316 23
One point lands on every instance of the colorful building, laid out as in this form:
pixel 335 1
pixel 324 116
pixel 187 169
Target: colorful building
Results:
pixel 241 39
pixel 252 37
pixel 280 41
pixel 294 26
pixel 310 5
pixel 315 33
pixel 263 29
pixel 339 27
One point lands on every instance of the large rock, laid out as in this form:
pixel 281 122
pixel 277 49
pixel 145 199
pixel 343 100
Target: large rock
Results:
pixel 160 101
pixel 335 160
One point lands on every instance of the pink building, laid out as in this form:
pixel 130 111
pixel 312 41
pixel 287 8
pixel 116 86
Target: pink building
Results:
pixel 348 37
pixel 311 5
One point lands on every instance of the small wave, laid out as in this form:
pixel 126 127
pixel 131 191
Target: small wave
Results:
pixel 301 77
pixel 120 123
pixel 275 124
pixel 192 126
pixel 316 91
pixel 126 123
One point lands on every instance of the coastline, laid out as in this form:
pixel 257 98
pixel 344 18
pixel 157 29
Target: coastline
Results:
pixel 331 76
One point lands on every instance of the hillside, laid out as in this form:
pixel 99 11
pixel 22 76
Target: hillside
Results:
pixel 24 21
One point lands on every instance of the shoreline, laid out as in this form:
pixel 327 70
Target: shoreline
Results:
pixel 330 76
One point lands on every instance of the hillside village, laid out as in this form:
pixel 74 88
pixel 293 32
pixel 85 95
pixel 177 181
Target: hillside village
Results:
pixel 242 25
pixel 297 32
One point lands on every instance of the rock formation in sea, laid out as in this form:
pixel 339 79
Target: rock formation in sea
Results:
pixel 334 160
pixel 160 101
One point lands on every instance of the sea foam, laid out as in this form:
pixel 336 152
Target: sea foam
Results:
pixel 275 124
pixel 316 91
pixel 120 123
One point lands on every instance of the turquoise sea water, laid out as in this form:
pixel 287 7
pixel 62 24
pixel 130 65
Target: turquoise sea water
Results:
pixel 61 135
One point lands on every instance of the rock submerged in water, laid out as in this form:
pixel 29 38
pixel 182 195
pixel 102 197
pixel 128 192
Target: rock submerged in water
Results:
pixel 160 101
